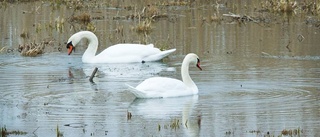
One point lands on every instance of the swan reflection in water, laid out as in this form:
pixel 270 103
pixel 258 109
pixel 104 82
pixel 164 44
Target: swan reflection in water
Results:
pixel 127 72
pixel 159 109
pixel 121 72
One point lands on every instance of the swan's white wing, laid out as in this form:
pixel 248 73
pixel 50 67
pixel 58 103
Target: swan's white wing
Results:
pixel 122 53
pixel 159 56
pixel 130 50
pixel 136 92
pixel 158 87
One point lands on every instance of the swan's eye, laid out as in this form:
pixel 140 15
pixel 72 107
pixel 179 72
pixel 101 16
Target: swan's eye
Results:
pixel 69 44
pixel 198 64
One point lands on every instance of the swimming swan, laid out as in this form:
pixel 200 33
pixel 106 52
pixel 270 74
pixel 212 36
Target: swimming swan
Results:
pixel 162 87
pixel 120 53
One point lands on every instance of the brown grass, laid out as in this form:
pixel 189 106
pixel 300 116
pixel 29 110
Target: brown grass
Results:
pixel 31 49
pixel 5 132
pixel 83 18
pixel 291 132
pixel 143 27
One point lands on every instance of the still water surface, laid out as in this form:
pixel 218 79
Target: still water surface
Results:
pixel 252 83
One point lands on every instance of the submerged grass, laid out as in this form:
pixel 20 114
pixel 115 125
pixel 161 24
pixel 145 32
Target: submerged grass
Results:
pixel 284 132
pixel 129 115
pixel 174 125
pixel 5 132
pixel 291 132
pixel 58 132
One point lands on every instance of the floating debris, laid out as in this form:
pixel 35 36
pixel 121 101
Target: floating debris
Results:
pixel 76 125
pixel 241 18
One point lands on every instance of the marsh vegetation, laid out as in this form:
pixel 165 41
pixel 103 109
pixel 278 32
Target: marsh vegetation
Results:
pixel 261 66
pixel 84 15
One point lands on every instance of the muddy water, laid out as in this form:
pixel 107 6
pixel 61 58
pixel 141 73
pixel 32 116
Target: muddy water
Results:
pixel 257 78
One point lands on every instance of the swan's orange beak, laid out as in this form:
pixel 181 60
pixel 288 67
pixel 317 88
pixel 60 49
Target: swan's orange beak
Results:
pixel 70 48
pixel 198 64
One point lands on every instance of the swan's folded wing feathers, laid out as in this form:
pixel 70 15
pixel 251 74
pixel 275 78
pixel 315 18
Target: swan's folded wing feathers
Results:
pixel 134 53
pixel 158 56
pixel 130 50
pixel 163 87
pixel 136 92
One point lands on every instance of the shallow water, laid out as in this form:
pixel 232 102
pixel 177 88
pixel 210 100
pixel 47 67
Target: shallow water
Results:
pixel 252 82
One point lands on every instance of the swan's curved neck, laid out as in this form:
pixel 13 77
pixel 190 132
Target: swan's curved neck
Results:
pixel 92 47
pixel 186 77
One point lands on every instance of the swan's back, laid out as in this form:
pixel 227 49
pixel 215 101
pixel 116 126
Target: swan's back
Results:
pixel 163 87
pixel 124 53
pixel 130 50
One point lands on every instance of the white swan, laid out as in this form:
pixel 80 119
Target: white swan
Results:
pixel 120 53
pixel 162 87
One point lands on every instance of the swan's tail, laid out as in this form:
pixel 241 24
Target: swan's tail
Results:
pixel 159 56
pixel 136 92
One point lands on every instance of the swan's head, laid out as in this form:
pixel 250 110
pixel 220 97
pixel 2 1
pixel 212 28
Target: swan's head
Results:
pixel 72 42
pixel 76 38
pixel 193 58
pixel 70 47
pixel 198 64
